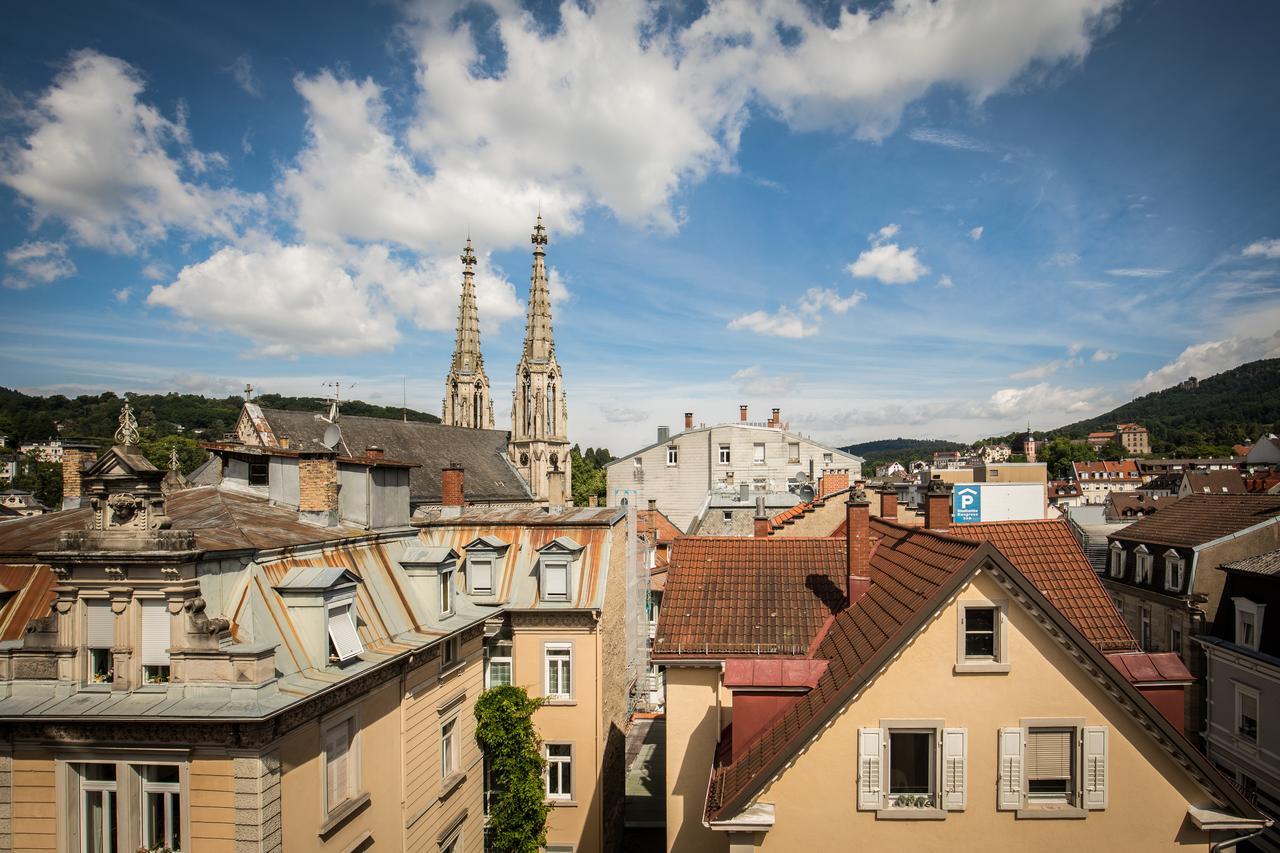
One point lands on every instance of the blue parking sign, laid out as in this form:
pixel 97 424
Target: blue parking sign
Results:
pixel 966 504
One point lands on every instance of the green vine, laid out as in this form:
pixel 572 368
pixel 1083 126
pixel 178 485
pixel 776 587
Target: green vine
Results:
pixel 518 808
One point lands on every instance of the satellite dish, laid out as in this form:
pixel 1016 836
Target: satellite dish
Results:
pixel 806 494
pixel 801 477
pixel 332 435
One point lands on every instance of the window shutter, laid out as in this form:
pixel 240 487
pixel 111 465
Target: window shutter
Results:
pixel 1009 781
pixel 870 756
pixel 100 630
pixel 342 630
pixel 337 774
pixel 155 633
pixel 555 576
pixel 955 770
pixel 481 576
pixel 1095 767
pixel 1048 753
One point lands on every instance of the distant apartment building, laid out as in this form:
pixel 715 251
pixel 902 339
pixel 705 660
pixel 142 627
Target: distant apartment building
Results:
pixel 1132 437
pixel 1099 479
pixel 687 471
pixel 1151 468
pixel 52 450
pixel 990 453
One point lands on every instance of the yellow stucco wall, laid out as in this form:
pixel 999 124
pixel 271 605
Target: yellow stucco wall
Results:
pixel 34 809
pixel 211 786
pixel 694 721
pixel 815 797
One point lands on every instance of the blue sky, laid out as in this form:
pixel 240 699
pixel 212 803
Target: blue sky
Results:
pixel 920 219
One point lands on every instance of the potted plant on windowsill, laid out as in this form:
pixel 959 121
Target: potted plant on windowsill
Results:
pixel 913 801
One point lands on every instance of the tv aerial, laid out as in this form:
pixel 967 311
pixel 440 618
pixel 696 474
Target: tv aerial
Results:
pixel 333 433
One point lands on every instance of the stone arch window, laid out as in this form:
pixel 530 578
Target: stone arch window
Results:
pixel 551 407
pixel 528 405
pixel 476 406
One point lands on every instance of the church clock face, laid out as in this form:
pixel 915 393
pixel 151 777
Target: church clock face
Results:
pixel 524 458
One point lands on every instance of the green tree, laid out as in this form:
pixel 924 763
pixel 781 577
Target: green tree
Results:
pixel 44 479
pixel 513 753
pixel 1061 452
pixel 190 454
pixel 588 478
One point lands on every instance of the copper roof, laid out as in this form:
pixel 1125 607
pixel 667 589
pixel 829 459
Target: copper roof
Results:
pixel 1197 519
pixel 747 595
pixel 1151 667
pixel 1045 551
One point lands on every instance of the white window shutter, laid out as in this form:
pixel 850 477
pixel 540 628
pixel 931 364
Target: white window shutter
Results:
pixel 555 577
pixel 100 630
pixel 1009 781
pixel 481 576
pixel 1095 767
pixel 870 759
pixel 155 633
pixel 342 630
pixel 955 768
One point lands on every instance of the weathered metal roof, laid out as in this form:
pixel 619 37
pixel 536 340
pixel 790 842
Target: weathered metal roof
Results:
pixel 488 542
pixel 428 554
pixel 316 578
pixel 564 543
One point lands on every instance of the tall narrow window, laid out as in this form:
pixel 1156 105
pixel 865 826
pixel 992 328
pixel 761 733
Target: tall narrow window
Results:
pixel 497 660
pixel 99 639
pixel 555 579
pixel 559 672
pixel 1247 713
pixel 1050 764
pixel 155 641
pixel 673 455
pixel 1142 565
pixel 98 816
pixel 980 632
pixel 911 764
pixel 793 452
pixel 161 807
pixel 559 771
pixel 1174 571
pixel 757 454
pixel 480 575
pixel 340 764
pixel 446 592
pixel 448 748
pixel 725 455
pixel 1145 628
pixel 1117 560
pixel 1248 622
pixel 476 407
pixel 551 408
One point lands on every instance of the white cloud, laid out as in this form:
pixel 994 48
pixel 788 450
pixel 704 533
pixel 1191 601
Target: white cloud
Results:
pixel 975 234
pixel 1206 359
pixel 1263 249
pixel 1102 355
pixel 623 415
pixel 1040 398
pixel 888 232
pixel 122 295
pixel 242 72
pixel 802 320
pixel 113 168
pixel 155 271
pixel 753 380
pixel 1075 348
pixel 37 262
pixel 945 281
pixel 1048 368
pixel 889 263
pixel 950 139
pixel 1138 272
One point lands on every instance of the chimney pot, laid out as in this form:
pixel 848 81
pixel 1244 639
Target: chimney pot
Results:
pixel 937 506
pixel 593 500
pixel 688 420
pixel 318 489
pixel 775 420
pixel 72 478
pixel 653 504
pixel 889 503
pixel 742 414
pixel 761 527
pixel 664 433
pixel 453 485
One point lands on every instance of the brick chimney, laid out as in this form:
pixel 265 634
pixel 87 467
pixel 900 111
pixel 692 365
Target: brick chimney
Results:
pixel 832 481
pixel 775 420
pixel 761 527
pixel 742 414
pixel 889 503
pixel 593 500
pixel 688 420
pixel 373 451
pixel 858 520
pixel 72 478
pixel 318 489
pixel 452 485
pixel 937 506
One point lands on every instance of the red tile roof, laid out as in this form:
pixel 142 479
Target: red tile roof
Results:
pixel 747 595
pixel 1046 552
pixel 1197 519
pixel 1126 469
pixel 666 530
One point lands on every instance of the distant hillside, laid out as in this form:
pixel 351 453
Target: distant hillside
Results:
pixel 902 450
pixel 24 417
pixel 1233 407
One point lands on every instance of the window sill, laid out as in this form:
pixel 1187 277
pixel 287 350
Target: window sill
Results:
pixel 981 667
pixel 451 783
pixel 1052 812
pixel 559 703
pixel 562 804
pixel 910 814
pixel 345 810
pixel 448 669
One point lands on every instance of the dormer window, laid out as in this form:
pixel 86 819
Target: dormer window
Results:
pixel 1142 567
pixel 483 564
pixel 155 641
pixel 445 583
pixel 480 575
pixel 555 561
pixel 344 642
pixel 330 591
pixel 1175 570
pixel 1248 622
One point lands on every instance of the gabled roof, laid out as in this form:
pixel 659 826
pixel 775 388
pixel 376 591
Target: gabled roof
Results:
pixel 1045 551
pixel 1200 519
pixel 1262 564
pixel 739 425
pixel 565 544
pixel 432 555
pixel 316 579
pixel 1219 482
pixel 486 543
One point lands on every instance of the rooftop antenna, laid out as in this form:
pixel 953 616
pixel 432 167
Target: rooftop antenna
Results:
pixel 333 433
pixel 404 391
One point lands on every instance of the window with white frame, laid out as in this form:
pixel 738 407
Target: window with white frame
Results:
pixel 341 763
pixel 793 452
pixel 559 771
pixel 1175 569
pixel 757 453
pixel 98 822
pixel 161 806
pixel 910 760
pixel 1247 713
pixel 1054 767
pixel 497 660
pixel 150 816
pixel 445 581
pixel 1050 764
pixel 1142 564
pixel 1248 622
pixel 728 516
pixel 1117 560
pixel 344 641
pixel 558 683
pixel 99 638
pixel 673 454
pixel 555 578
pixel 981 644
pixel 155 641
pixel 724 454
pixel 480 574
pixel 912 768
pixel 639 462
pixel 448 748
pixel 826 459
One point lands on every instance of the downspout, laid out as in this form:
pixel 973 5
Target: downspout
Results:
pixel 1232 842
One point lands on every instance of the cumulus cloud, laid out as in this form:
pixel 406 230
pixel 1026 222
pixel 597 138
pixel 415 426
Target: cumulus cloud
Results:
pixel 801 320
pixel 945 281
pixel 623 415
pixel 1263 249
pixel 975 234
pixel 37 262
pixel 754 380
pixel 888 262
pixel 122 295
pixel 1138 272
pixel 1210 357
pixel 1102 355
pixel 112 168
pixel 242 72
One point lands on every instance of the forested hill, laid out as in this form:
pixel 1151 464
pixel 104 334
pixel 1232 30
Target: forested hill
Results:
pixel 901 450
pixel 24 417
pixel 1233 407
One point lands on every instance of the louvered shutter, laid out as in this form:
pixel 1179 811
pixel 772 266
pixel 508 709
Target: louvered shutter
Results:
pixel 100 628
pixel 1047 753
pixel 155 633
pixel 870 759
pixel 337 770
pixel 955 769
pixel 555 579
pixel 342 631
pixel 481 576
pixel 1009 774
pixel 1095 767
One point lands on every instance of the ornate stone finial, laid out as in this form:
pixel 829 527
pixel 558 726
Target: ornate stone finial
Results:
pixel 127 434
pixel 468 258
pixel 173 458
pixel 539 237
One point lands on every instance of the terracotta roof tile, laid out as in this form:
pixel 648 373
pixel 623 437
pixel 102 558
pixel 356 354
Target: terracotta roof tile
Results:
pixel 1197 519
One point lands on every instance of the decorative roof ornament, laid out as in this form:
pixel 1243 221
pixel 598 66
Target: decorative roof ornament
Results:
pixel 127 434
pixel 173 458
pixel 539 238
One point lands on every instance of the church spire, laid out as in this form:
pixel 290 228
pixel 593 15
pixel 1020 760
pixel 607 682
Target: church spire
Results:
pixel 539 343
pixel 466 389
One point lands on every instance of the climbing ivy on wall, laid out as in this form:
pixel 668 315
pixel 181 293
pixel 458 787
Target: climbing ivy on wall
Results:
pixel 513 752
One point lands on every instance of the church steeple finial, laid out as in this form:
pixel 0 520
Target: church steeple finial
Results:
pixel 466 393
pixel 539 343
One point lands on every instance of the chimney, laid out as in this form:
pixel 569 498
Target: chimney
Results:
pixel 742 414
pixel 664 433
pixel 889 503
pixel 762 520
pixel 72 478
pixel 937 506
pixel 593 500
pixel 776 419
pixel 688 420
pixel 858 521
pixel 452 485
pixel 557 497
pixel 653 504
pixel 373 451
pixel 832 481
pixel 318 489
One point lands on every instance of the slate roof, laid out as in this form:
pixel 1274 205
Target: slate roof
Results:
pixel 1197 519
pixel 1215 482
pixel 1262 564
pixel 743 595
pixel 1045 551
pixel 489 476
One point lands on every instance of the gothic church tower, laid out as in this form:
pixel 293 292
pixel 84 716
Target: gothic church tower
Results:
pixel 539 445
pixel 466 388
